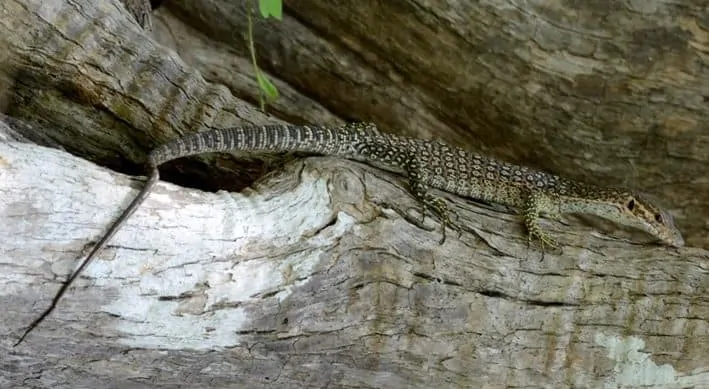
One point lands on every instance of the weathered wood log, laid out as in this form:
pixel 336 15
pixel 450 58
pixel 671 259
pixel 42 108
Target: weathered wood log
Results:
pixel 315 279
pixel 607 92
pixel 600 93
pixel 356 296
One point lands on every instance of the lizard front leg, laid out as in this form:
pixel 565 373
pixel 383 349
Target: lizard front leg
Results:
pixel 535 203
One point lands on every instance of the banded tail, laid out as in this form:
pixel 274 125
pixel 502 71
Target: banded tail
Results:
pixel 337 141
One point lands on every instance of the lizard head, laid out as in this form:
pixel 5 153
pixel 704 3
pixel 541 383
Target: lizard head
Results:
pixel 638 210
pixel 626 207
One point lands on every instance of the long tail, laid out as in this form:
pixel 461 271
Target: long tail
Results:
pixel 339 141
pixel 152 180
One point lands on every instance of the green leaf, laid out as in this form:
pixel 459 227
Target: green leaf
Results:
pixel 266 86
pixel 271 8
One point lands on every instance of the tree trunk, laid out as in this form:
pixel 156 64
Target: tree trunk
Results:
pixel 315 280
pixel 593 91
pixel 320 277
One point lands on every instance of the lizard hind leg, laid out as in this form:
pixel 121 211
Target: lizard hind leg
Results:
pixel 438 206
pixel 399 156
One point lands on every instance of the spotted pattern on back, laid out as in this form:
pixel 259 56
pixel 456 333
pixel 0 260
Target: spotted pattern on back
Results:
pixel 435 164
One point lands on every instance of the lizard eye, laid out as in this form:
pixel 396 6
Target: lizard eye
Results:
pixel 659 218
pixel 631 205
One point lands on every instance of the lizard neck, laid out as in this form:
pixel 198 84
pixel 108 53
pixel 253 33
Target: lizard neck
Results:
pixel 589 199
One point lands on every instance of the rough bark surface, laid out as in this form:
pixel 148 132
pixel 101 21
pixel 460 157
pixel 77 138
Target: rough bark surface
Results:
pixel 608 92
pixel 604 91
pixel 316 280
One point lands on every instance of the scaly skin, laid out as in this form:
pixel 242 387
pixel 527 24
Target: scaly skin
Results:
pixel 427 164
pixel 435 164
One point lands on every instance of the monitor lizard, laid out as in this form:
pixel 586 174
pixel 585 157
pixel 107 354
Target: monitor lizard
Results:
pixel 427 164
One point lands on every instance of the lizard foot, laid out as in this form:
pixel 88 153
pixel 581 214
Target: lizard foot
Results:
pixel 439 207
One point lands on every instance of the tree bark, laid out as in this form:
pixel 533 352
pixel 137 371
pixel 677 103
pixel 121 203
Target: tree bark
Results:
pixel 614 93
pixel 596 92
pixel 320 278
pixel 314 279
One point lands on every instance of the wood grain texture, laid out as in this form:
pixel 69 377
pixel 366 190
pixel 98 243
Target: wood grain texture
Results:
pixel 604 92
pixel 314 279
pixel 380 303
pixel 577 88
pixel 100 85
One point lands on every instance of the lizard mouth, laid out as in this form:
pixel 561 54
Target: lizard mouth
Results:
pixel 674 240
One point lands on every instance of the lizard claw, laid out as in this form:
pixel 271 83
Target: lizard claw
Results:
pixel 544 239
pixel 440 208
